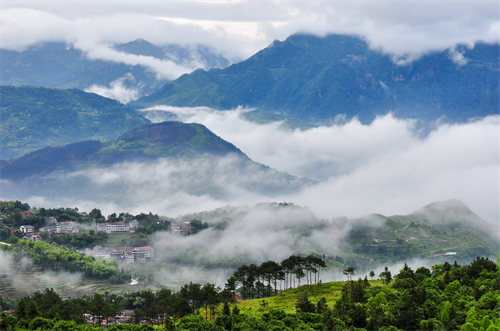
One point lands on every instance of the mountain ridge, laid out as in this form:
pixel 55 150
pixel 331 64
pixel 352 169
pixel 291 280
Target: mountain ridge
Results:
pixel 316 79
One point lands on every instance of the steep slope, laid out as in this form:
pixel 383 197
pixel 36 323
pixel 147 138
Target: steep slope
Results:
pixel 34 117
pixel 316 79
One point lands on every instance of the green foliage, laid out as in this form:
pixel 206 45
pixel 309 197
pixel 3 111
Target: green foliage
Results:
pixel 303 305
pixel 55 257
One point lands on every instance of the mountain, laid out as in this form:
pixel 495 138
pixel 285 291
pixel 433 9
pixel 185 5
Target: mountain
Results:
pixel 144 143
pixel 35 117
pixel 440 231
pixel 62 66
pixel 188 156
pixel 316 79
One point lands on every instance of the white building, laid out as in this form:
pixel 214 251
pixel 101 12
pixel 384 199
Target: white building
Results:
pixel 100 251
pixel 28 229
pixel 148 251
pixel 117 227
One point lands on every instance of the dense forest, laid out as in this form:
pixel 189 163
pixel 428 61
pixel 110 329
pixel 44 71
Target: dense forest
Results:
pixel 445 297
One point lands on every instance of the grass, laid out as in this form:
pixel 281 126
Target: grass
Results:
pixel 286 300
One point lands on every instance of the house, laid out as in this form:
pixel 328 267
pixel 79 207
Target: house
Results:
pixel 176 228
pixel 148 251
pixel 51 220
pixel 117 227
pixel 100 251
pixel 66 227
pixel 36 237
pixel 186 227
pixel 139 257
pixel 26 214
pixel 49 229
pixel 120 253
pixel 134 224
pixel 28 229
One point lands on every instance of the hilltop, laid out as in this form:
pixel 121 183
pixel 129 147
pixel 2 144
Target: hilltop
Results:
pixel 147 142
pixel 34 117
pixel 315 79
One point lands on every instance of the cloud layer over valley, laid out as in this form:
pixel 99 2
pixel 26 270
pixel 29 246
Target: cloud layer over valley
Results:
pixel 391 166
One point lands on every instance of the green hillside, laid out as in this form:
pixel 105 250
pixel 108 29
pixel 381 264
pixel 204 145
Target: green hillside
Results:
pixel 316 79
pixel 35 117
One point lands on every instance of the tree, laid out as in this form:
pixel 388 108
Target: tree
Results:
pixel 303 305
pixel 226 310
pixel 349 272
pixel 7 321
pixel 386 275
pixel 26 309
pixel 372 274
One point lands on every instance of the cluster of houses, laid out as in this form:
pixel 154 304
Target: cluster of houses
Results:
pixel 53 226
pixel 129 255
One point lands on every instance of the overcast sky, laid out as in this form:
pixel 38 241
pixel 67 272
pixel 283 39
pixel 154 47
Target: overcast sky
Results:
pixel 238 29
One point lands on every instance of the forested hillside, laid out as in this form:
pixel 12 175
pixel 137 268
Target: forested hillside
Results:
pixel 35 117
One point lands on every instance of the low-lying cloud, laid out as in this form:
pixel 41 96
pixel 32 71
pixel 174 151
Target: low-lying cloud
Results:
pixel 117 90
pixel 18 274
pixel 389 166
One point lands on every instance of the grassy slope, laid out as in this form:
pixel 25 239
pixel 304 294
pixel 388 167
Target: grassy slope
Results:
pixel 286 300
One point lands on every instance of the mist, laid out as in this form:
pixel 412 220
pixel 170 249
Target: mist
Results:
pixel 387 167
pixel 17 273
pixel 390 166
pixel 117 90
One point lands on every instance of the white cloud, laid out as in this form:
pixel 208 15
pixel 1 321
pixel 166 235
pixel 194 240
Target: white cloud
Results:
pixel 385 167
pixel 405 29
pixel 117 90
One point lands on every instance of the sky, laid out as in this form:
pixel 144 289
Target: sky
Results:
pixel 238 29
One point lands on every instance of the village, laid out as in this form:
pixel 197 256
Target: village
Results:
pixel 122 254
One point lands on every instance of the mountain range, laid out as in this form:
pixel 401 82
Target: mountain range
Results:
pixel 319 78
pixel 63 66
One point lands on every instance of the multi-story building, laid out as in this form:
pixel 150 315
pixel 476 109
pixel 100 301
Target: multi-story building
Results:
pixel 28 229
pixel 66 227
pixel 100 251
pixel 116 227
pixel 148 251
